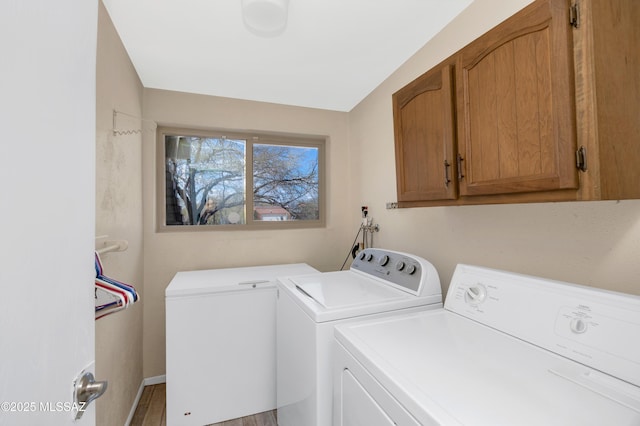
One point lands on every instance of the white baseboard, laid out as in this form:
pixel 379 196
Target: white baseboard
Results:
pixel 148 381
pixel 155 380
pixel 135 404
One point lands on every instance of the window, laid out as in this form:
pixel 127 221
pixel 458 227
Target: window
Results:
pixel 212 180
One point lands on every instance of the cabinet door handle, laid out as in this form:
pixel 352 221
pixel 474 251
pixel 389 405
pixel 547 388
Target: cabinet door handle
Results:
pixel 581 159
pixel 460 160
pixel 447 181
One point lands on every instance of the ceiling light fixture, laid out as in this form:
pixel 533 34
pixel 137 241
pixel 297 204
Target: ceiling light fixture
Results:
pixel 266 18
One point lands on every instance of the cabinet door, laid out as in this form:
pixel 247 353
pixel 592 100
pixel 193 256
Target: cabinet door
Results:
pixel 607 56
pixel 424 137
pixel 516 108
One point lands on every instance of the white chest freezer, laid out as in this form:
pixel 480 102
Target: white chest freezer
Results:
pixel 221 342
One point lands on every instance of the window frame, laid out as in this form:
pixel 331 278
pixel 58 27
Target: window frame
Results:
pixel 251 138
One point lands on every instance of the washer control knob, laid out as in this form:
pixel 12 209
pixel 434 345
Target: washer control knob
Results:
pixel 369 257
pixel 383 260
pixel 399 265
pixel 411 269
pixel 578 325
pixel 475 294
pixel 362 255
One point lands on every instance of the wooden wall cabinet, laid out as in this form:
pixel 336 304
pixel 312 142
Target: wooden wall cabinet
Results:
pixel 425 138
pixel 516 109
pixel 514 115
pixel 607 62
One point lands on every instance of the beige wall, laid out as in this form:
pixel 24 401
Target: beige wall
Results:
pixel 119 215
pixel 593 243
pixel 168 253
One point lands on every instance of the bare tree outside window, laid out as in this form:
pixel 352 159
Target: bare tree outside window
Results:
pixel 207 178
pixel 285 177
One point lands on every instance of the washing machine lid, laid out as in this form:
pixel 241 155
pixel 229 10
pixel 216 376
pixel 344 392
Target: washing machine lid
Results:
pixel 447 369
pixel 331 296
pixel 189 283
pixel 342 289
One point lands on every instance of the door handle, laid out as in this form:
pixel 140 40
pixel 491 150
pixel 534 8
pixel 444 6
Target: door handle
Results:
pixel 459 159
pixel 447 181
pixel 87 390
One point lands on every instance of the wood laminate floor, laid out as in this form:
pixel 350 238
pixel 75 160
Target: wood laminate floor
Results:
pixel 151 411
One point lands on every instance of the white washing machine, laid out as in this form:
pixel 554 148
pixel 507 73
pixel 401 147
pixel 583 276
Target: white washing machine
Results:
pixel 379 283
pixel 507 349
pixel 221 343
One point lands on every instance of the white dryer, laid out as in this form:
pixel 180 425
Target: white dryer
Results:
pixel 507 350
pixel 379 283
pixel 221 347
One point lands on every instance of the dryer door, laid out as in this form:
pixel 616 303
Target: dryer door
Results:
pixel 360 409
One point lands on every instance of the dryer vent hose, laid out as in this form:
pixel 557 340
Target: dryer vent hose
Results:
pixel 354 250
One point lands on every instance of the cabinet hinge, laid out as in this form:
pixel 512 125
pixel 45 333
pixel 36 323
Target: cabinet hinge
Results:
pixel 574 15
pixel 581 159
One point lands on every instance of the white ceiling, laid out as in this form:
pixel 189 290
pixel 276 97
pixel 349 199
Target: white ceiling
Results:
pixel 331 56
